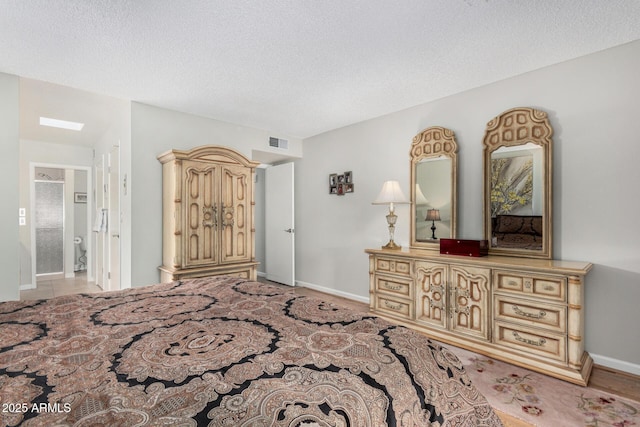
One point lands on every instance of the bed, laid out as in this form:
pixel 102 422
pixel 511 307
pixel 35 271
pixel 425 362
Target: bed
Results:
pixel 223 351
pixel 517 231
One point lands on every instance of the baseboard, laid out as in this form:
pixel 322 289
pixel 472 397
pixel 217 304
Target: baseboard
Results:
pixel 261 274
pixel 27 287
pixel 619 365
pixel 332 291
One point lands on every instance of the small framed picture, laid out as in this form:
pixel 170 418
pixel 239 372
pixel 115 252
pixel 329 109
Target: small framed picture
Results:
pixel 80 197
pixel 333 183
pixel 341 184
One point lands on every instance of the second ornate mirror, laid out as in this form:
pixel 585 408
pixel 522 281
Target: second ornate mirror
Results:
pixel 433 187
pixel 517 183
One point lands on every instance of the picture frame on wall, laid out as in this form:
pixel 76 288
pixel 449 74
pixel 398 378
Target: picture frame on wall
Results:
pixel 333 183
pixel 341 184
pixel 80 197
pixel 348 177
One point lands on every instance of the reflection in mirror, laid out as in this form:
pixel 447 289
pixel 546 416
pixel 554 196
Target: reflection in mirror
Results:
pixel 518 183
pixel 433 214
pixel 433 187
pixel 517 204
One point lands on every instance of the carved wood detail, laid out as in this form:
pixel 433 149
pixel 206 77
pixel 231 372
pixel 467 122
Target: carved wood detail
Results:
pixel 208 217
pixel 518 126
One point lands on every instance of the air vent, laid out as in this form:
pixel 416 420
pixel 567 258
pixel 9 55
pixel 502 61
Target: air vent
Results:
pixel 278 143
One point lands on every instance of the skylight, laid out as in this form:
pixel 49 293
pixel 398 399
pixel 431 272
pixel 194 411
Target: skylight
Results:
pixel 62 124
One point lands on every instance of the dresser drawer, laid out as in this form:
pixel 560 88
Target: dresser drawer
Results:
pixel 393 285
pixel 550 287
pixel 393 266
pixel 530 313
pixel 394 307
pixel 530 340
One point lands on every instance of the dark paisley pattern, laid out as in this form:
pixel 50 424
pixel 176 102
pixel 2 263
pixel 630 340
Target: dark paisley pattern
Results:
pixel 223 351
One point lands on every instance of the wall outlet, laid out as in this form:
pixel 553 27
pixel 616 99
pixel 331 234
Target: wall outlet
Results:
pixel 22 221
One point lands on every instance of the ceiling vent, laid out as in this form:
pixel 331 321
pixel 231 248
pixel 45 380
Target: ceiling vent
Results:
pixel 278 143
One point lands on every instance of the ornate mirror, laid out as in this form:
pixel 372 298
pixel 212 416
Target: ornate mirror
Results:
pixel 433 187
pixel 517 183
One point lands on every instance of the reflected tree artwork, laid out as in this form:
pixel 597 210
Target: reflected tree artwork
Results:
pixel 512 185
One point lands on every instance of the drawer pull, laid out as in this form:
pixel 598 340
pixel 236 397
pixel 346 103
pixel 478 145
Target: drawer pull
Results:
pixel 391 287
pixel 527 283
pixel 396 307
pixel 519 312
pixel 539 343
pixel 549 288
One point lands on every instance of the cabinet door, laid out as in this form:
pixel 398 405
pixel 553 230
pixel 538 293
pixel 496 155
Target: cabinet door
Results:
pixel 431 293
pixel 200 214
pixel 236 214
pixel 469 293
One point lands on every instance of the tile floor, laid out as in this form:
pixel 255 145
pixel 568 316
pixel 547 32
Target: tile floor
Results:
pixel 55 288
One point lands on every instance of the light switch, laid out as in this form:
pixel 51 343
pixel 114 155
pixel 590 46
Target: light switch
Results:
pixel 22 221
pixel 22 212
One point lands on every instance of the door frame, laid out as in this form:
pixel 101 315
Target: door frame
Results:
pixel 32 202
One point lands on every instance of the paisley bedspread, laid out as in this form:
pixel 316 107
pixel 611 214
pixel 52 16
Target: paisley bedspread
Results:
pixel 223 351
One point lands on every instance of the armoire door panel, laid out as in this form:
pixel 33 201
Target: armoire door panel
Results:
pixel 200 221
pixel 235 200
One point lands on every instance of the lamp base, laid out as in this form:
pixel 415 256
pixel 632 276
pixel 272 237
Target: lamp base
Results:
pixel 392 245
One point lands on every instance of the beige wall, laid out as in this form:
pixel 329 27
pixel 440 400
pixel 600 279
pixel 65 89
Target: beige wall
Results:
pixel 9 141
pixel 593 103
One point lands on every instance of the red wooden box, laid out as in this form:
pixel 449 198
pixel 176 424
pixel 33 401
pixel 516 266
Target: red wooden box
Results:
pixel 474 248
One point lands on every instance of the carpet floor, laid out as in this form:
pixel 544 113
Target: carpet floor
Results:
pixel 542 401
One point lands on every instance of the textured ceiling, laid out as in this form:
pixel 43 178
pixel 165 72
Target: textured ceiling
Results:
pixel 298 67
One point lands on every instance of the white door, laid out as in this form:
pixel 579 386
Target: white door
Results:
pixel 114 219
pixel 279 224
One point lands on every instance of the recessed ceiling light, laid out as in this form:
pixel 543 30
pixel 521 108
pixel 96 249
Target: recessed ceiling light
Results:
pixel 62 124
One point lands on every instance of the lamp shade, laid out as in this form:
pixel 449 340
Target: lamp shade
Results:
pixel 420 199
pixel 433 215
pixel 390 193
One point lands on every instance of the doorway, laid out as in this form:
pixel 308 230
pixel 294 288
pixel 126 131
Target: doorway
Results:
pixel 60 226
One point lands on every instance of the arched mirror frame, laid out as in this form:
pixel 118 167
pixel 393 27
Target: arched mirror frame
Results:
pixel 514 127
pixel 433 142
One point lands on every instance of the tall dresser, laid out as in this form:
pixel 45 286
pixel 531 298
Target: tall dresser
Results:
pixel 529 312
pixel 207 213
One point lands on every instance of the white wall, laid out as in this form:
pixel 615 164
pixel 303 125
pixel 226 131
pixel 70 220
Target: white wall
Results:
pixel 593 103
pixel 259 214
pixel 154 131
pixel 9 141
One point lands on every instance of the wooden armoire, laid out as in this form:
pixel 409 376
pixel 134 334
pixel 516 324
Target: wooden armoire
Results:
pixel 207 213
